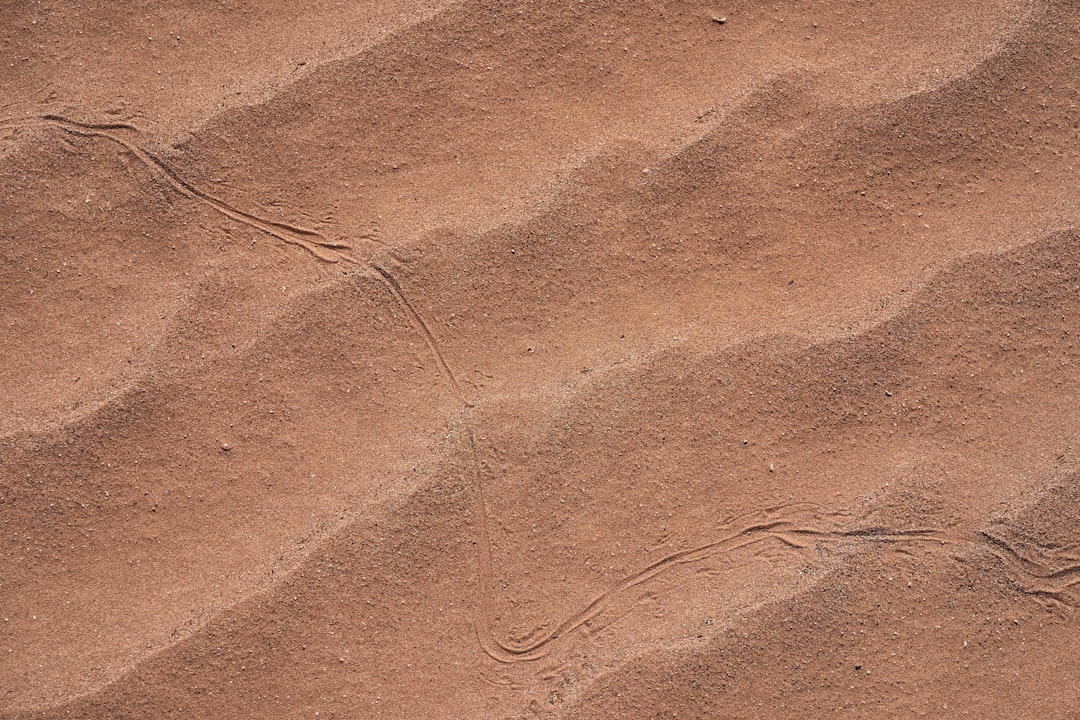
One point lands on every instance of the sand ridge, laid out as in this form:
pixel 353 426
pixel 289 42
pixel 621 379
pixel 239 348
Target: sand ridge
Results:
pixel 558 360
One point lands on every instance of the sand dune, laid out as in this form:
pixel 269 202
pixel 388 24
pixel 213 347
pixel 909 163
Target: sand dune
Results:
pixel 585 359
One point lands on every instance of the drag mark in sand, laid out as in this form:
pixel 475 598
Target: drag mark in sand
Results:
pixel 788 525
pixel 794 526
pixel 312 241
pixel 1048 576
pixel 421 325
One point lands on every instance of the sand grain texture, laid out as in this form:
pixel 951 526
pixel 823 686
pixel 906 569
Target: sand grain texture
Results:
pixel 489 359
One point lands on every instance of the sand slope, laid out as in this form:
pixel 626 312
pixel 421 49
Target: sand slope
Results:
pixel 494 359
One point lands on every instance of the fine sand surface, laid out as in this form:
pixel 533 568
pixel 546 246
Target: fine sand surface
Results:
pixel 573 359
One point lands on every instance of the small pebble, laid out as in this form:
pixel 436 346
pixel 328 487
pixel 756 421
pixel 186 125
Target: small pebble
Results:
pixel 226 447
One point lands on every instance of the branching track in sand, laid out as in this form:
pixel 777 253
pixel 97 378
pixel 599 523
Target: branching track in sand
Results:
pixel 795 526
pixel 1049 575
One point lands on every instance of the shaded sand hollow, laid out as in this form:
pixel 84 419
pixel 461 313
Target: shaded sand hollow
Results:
pixel 483 359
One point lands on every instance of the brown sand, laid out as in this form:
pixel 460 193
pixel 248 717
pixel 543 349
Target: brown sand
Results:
pixel 518 359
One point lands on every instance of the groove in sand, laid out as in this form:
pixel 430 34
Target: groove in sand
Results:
pixel 312 241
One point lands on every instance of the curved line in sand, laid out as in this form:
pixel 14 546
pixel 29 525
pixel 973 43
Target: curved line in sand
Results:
pixel 312 241
pixel 513 652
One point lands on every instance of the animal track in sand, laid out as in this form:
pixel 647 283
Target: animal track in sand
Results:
pixel 1047 573
pixel 793 526
pixel 1052 574
pixel 1048 576
pixel 312 241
